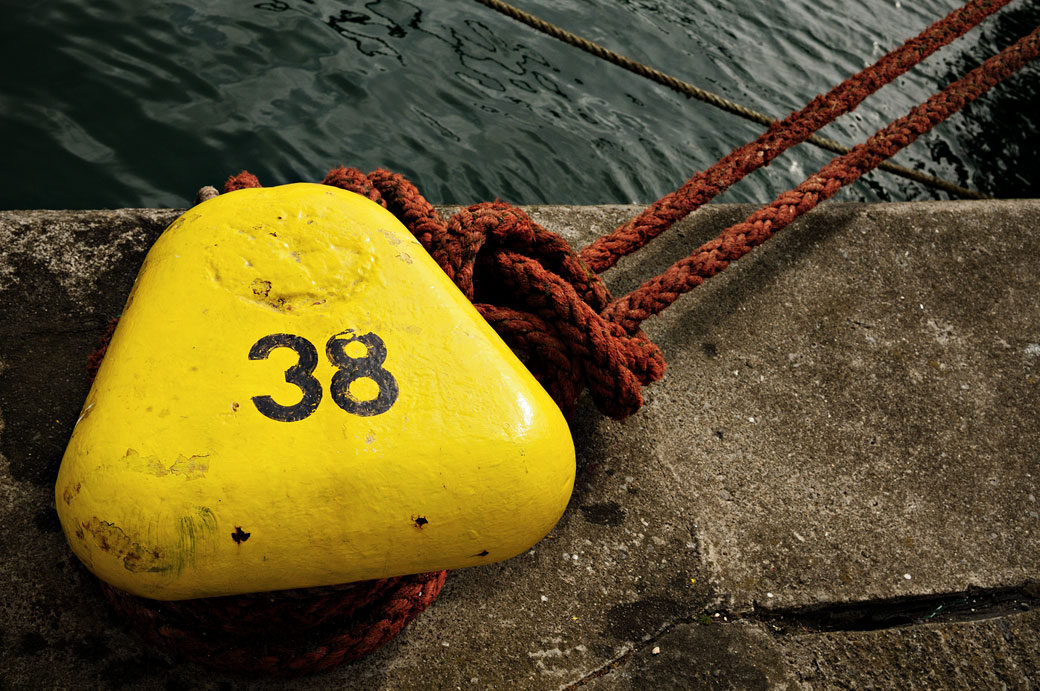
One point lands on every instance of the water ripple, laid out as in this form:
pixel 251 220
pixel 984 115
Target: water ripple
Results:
pixel 114 103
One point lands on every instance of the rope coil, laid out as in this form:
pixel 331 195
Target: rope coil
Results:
pixel 531 287
pixel 282 634
pixel 549 305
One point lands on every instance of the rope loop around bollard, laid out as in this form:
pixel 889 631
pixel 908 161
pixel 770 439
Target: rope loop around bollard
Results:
pixel 554 311
pixel 530 286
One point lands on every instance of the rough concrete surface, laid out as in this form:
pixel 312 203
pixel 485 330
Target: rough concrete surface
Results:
pixel 834 486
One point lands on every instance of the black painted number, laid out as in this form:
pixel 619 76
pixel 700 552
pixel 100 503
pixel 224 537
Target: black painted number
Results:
pixel 349 369
pixel 368 367
pixel 299 375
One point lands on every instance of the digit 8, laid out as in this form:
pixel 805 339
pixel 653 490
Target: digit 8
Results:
pixel 350 369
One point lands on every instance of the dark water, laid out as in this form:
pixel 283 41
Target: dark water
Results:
pixel 116 103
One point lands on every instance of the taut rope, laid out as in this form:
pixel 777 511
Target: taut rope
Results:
pixel 550 306
pixel 912 52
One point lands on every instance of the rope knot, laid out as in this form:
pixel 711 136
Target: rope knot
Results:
pixel 529 285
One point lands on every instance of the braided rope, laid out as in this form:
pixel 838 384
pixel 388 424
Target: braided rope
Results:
pixel 553 310
pixel 530 286
pixel 794 129
pixel 734 242
pixel 691 91
pixel 282 634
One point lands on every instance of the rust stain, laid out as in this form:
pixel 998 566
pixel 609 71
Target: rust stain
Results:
pixel 70 493
pixel 262 291
pixel 136 558
pixel 260 287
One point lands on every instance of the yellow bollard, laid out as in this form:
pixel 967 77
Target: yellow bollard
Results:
pixel 295 396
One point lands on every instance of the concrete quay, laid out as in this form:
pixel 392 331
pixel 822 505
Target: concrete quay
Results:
pixel 834 486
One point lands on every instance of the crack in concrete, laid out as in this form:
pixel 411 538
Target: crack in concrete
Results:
pixel 603 669
pixel 974 604
pixel 611 664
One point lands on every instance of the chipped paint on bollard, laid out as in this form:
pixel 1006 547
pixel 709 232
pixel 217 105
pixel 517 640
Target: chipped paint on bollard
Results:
pixel 296 395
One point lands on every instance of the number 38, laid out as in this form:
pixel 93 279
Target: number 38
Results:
pixel 349 370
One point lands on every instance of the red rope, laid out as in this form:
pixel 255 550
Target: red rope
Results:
pixel 531 287
pixel 558 316
pixel 795 129
pixel 737 240
pixel 285 634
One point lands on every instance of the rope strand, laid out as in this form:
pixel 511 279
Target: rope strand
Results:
pixel 707 260
pixel 556 313
pixel 691 91
pixel 704 186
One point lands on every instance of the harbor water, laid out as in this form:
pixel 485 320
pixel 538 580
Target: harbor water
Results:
pixel 115 103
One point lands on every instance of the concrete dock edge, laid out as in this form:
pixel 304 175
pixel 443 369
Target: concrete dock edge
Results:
pixel 834 486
